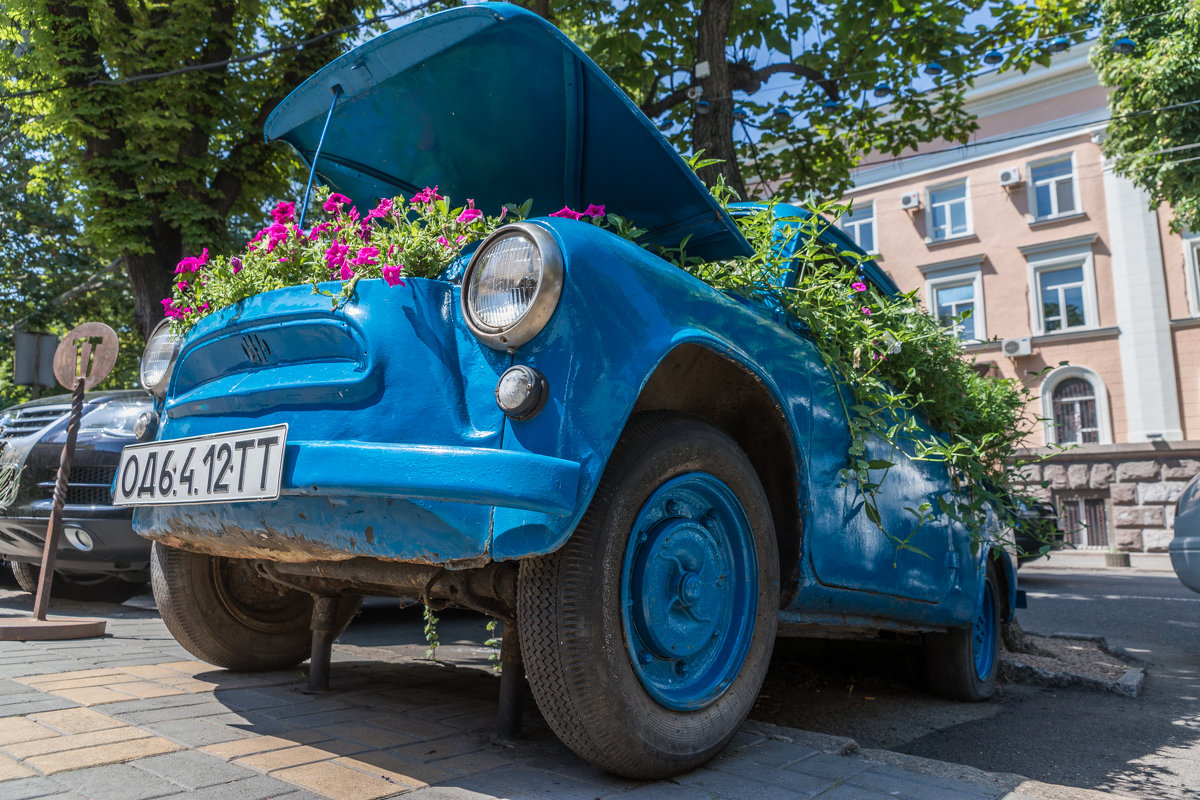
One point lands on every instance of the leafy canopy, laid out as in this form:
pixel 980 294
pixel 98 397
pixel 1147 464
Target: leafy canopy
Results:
pixel 1154 135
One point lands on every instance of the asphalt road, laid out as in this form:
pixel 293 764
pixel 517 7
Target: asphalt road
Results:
pixel 1147 746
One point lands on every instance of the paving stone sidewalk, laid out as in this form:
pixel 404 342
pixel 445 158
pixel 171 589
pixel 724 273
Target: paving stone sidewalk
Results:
pixel 132 716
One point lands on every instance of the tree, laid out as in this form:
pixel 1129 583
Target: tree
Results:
pixel 158 152
pixel 1154 135
pixel 830 56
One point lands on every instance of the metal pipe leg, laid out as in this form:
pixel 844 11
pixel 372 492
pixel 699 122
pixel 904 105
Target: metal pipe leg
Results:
pixel 323 633
pixel 512 680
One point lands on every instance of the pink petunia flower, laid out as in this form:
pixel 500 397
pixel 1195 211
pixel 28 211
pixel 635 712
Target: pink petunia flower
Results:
pixel 392 275
pixel 866 311
pixel 594 210
pixel 366 257
pixel 346 273
pixel 277 234
pixel 382 210
pixel 192 263
pixel 182 286
pixel 426 195
pixel 236 263
pixel 335 255
pixel 566 213
pixel 503 212
pixel 858 286
pixel 470 213
pixel 284 212
pixel 318 230
pixel 334 203
pixel 170 309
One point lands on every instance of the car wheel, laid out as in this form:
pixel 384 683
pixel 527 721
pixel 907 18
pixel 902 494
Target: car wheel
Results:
pixel 962 664
pixel 94 586
pixel 226 614
pixel 647 636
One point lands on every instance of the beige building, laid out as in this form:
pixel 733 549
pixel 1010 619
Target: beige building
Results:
pixel 1058 259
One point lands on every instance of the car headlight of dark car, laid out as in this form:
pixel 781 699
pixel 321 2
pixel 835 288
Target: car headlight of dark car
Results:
pixel 114 418
pixel 512 285
pixel 158 359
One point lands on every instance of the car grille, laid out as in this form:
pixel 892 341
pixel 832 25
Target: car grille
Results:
pixel 89 486
pixel 32 420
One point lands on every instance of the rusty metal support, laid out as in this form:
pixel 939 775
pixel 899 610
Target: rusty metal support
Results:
pixel 54 526
pixel 324 631
pixel 512 684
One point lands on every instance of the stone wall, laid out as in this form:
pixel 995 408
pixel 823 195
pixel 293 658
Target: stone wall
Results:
pixel 1140 483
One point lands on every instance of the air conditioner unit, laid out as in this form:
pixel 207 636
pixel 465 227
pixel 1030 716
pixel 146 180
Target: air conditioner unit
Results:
pixel 910 201
pixel 1016 347
pixel 1010 176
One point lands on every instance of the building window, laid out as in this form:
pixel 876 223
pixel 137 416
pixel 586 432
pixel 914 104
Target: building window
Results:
pixel 1075 407
pixel 1052 185
pixel 859 225
pixel 1191 257
pixel 1085 520
pixel 952 300
pixel 1075 412
pixel 1061 291
pixel 948 216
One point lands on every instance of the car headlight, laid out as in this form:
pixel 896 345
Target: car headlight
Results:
pixel 158 359
pixel 115 418
pixel 512 285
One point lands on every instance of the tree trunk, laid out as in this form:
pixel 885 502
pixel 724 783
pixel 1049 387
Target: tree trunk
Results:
pixel 713 132
pixel 151 276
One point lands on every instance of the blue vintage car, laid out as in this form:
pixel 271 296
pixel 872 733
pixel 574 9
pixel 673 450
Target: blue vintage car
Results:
pixel 637 472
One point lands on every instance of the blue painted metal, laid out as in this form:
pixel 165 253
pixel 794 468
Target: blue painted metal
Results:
pixel 689 591
pixel 398 450
pixel 983 634
pixel 434 101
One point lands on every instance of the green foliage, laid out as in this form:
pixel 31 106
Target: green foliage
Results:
pixel 818 52
pixel 1153 139
pixel 431 635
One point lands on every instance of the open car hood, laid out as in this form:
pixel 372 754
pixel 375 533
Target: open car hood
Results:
pixel 493 103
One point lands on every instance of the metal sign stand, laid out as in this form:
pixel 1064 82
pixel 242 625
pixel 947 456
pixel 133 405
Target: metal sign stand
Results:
pixel 85 357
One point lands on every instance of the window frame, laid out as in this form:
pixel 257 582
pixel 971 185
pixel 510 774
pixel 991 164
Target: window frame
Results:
pixel 961 277
pixel 846 224
pixel 1048 262
pixel 966 200
pixel 1099 391
pixel 1191 262
pixel 1031 189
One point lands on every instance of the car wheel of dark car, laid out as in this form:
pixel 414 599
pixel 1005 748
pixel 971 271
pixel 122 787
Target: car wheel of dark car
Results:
pixel 97 586
pixel 647 636
pixel 962 664
pixel 226 614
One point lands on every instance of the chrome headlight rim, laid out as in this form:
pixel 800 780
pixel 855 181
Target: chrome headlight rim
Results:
pixel 545 298
pixel 158 388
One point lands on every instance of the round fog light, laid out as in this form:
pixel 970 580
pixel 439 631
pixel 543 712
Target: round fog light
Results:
pixel 79 538
pixel 146 426
pixel 521 392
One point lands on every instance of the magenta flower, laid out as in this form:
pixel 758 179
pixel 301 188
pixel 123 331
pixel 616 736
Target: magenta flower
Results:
pixel 170 309
pixel 392 275
pixel 335 202
pixel 182 286
pixel 566 213
pixel 366 257
pixel 426 195
pixel 594 210
pixel 335 255
pixel 866 311
pixel 277 234
pixel 470 213
pixel 346 273
pixel 318 230
pixel 382 210
pixel 236 263
pixel 284 213
pixel 858 286
pixel 192 263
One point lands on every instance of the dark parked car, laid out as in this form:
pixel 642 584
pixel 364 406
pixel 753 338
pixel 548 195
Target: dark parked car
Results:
pixel 1185 547
pixel 99 555
pixel 1038 532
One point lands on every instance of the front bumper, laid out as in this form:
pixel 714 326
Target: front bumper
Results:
pixel 396 502
pixel 115 547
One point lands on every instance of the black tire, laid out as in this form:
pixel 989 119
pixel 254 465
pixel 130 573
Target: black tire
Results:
pixel 93 586
pixel 227 615
pixel 962 664
pixel 573 629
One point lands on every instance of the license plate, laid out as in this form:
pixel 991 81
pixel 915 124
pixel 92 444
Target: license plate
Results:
pixel 239 465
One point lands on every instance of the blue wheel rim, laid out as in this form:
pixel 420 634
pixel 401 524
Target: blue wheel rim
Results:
pixel 689 591
pixel 984 634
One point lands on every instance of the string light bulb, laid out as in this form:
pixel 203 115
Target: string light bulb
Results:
pixel 703 107
pixel 1124 46
pixel 741 114
pixel 782 114
pixel 1058 44
pixel 933 68
pixel 993 57
pixel 882 89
